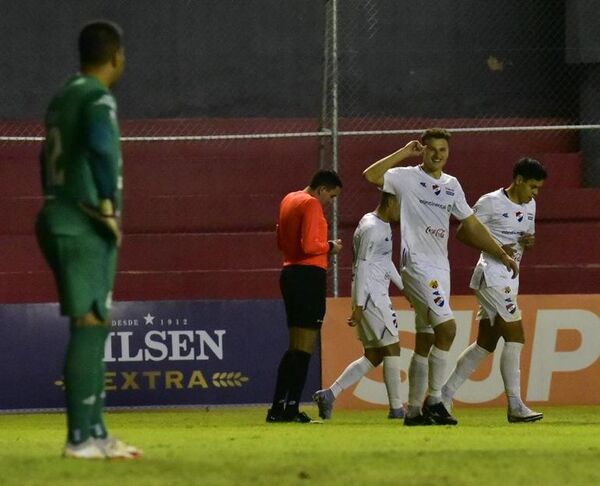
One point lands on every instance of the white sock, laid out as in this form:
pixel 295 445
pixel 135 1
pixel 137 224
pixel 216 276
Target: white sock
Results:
pixel 437 374
pixel 510 368
pixel 417 384
pixel 350 376
pixel 391 377
pixel 468 361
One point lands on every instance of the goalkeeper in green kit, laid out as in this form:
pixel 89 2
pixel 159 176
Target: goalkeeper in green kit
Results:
pixel 78 229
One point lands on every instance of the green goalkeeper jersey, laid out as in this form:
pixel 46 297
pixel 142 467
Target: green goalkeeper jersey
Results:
pixel 81 158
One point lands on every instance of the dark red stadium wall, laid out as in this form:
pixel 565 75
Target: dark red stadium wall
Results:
pixel 199 217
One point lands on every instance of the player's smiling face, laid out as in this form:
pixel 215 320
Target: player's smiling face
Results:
pixel 435 155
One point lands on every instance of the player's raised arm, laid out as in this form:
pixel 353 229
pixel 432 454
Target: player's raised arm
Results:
pixel 375 172
pixel 472 233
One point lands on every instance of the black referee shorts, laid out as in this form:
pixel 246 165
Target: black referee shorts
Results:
pixel 304 288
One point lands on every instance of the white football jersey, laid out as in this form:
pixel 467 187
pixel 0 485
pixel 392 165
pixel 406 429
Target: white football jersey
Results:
pixel 426 204
pixel 507 222
pixel 372 265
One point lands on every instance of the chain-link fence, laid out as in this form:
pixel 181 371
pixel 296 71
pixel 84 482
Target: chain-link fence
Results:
pixel 227 105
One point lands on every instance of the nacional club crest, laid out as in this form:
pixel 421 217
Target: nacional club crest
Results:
pixel 438 298
pixel 519 216
pixel 510 305
pixel 436 189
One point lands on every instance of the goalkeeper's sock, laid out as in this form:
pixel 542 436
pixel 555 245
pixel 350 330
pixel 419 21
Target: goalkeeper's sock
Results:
pixel 97 426
pixel 81 372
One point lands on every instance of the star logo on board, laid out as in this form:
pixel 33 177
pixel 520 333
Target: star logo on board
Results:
pixel 149 319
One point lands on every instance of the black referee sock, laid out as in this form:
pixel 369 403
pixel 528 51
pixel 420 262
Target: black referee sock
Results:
pixel 298 380
pixel 284 375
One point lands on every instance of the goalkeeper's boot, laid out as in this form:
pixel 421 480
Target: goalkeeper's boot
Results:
pixel 324 400
pixel 114 448
pixel 88 449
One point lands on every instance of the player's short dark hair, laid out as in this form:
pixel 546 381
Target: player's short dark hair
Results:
pixel 385 200
pixel 98 42
pixel 435 133
pixel 328 178
pixel 529 168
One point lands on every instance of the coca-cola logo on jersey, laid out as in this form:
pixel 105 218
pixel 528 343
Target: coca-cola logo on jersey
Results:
pixel 437 232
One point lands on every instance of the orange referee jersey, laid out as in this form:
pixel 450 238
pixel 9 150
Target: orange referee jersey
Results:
pixel 302 231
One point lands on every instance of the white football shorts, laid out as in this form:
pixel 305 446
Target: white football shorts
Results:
pixel 428 290
pixel 378 327
pixel 498 301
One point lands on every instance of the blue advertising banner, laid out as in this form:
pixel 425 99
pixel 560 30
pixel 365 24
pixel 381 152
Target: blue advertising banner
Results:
pixel 157 354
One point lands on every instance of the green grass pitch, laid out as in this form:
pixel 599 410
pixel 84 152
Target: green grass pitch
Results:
pixel 235 446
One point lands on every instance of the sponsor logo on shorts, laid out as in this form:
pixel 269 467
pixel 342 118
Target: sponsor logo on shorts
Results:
pixel 437 232
pixel 519 216
pixel 434 284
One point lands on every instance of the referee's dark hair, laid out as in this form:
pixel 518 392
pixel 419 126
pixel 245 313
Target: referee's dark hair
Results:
pixel 98 42
pixel 529 168
pixel 328 178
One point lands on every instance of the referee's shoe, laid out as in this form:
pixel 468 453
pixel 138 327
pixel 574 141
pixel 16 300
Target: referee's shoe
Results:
pixel 283 417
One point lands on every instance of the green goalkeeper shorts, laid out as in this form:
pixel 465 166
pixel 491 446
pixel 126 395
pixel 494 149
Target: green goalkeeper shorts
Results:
pixel 84 268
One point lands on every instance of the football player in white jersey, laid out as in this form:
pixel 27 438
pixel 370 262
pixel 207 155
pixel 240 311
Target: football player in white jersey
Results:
pixel 427 197
pixel 509 214
pixel 372 311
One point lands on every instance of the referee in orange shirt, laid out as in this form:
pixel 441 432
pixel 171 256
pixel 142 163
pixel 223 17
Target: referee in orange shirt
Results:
pixel 302 238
